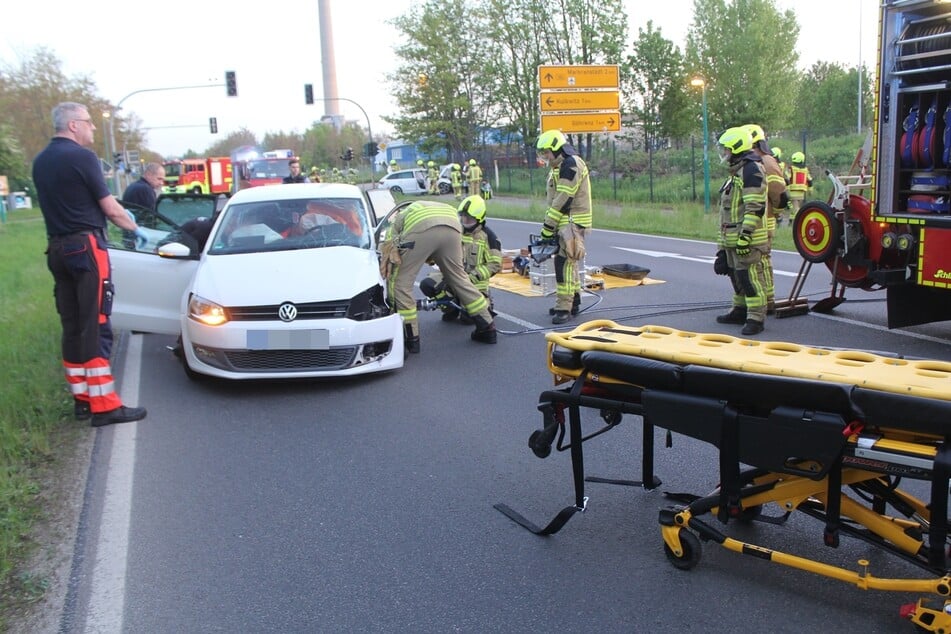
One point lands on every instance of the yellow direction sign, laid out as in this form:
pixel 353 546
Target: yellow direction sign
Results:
pixel 578 76
pixel 571 122
pixel 572 100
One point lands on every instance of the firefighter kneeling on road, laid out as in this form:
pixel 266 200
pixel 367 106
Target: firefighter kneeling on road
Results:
pixel 743 235
pixel 430 231
pixel 481 257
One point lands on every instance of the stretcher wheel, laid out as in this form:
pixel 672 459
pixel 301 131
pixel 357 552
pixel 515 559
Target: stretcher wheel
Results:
pixel 690 544
pixel 611 416
pixel 749 514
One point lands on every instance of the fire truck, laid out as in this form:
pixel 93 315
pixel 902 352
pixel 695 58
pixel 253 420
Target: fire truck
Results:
pixel 255 168
pixel 198 176
pixel 891 228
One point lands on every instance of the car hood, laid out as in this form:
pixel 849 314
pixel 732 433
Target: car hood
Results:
pixel 303 275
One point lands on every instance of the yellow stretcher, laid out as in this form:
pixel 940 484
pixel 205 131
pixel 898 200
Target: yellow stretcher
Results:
pixel 830 433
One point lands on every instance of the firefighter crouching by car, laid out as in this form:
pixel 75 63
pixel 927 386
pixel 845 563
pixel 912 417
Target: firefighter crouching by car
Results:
pixel 743 236
pixel 481 257
pixel 424 232
pixel 568 219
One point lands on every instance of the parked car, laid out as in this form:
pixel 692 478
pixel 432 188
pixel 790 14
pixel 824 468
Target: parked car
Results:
pixel 412 181
pixel 288 284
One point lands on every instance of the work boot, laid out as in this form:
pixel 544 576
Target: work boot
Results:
pixel 450 314
pixel 121 414
pixel 410 341
pixel 561 316
pixel 735 316
pixel 770 307
pixel 81 409
pixel 752 327
pixel 485 331
pixel 464 318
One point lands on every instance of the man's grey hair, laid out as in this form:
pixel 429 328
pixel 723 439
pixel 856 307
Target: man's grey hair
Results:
pixel 152 168
pixel 65 112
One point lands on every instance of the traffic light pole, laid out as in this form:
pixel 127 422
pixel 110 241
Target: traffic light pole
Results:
pixel 112 125
pixel 369 131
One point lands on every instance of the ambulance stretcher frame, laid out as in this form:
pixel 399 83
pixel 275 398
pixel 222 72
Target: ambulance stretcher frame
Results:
pixel 809 424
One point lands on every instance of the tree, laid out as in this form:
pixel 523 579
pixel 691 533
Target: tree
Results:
pixel 828 99
pixel 653 77
pixel 732 45
pixel 12 162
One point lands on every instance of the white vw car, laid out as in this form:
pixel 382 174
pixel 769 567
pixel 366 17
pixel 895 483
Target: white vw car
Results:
pixel 287 284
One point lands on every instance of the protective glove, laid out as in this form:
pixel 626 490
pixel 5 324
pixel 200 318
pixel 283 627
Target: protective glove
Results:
pixel 141 238
pixel 743 244
pixel 720 265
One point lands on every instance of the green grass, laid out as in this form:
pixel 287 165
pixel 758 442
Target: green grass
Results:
pixel 36 426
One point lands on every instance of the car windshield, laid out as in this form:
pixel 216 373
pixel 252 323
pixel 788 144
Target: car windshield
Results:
pixel 292 224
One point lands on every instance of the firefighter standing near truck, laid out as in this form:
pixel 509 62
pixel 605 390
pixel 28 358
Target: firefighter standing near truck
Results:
pixel 423 232
pixel 455 176
pixel 800 181
pixel 777 200
pixel 568 219
pixel 743 235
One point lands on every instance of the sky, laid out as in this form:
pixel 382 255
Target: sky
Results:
pixel 141 54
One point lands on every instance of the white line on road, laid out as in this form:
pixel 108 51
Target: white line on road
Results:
pixel 107 597
pixel 702 260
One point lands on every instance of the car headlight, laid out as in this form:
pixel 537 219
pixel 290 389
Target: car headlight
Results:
pixel 206 312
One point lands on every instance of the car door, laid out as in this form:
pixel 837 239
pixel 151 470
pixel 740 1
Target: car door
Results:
pixel 149 287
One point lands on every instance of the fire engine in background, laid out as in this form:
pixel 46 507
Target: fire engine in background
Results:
pixel 899 238
pixel 198 176
pixel 254 168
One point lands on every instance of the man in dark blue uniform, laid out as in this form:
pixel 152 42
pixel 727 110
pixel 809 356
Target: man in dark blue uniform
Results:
pixel 143 191
pixel 76 204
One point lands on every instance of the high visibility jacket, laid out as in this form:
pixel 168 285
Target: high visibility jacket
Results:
pixel 799 181
pixel 568 192
pixel 456 177
pixel 776 194
pixel 475 173
pixel 481 256
pixel 422 215
pixel 743 202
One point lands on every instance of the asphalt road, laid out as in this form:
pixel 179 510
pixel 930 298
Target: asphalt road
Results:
pixel 367 504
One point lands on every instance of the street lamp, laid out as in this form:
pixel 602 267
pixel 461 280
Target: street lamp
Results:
pixel 700 83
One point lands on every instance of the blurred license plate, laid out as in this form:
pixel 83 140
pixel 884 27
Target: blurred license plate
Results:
pixel 288 339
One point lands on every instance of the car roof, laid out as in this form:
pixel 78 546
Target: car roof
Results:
pixel 295 191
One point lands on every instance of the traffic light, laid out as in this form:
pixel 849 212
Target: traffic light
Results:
pixel 348 155
pixel 370 149
pixel 213 125
pixel 309 94
pixel 231 83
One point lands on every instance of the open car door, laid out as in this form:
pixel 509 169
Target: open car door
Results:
pixel 149 287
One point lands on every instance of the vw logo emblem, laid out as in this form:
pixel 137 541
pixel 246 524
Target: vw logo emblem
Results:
pixel 287 312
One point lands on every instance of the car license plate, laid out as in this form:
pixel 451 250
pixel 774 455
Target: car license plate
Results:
pixel 289 339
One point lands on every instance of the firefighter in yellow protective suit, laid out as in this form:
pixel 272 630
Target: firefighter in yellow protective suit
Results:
pixel 800 181
pixel 433 175
pixel 475 178
pixel 568 219
pixel 455 175
pixel 394 167
pixel 481 257
pixel 430 232
pixel 743 236
pixel 777 200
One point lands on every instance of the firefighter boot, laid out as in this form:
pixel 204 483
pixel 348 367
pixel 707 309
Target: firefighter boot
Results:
pixel 484 331
pixel 735 316
pixel 752 327
pixel 450 314
pixel 410 341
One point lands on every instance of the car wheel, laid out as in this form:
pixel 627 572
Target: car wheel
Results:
pixel 396 189
pixel 196 190
pixel 445 188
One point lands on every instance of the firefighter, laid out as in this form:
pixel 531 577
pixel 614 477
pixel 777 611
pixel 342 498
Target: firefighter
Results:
pixel 481 258
pixel 314 176
pixel 455 175
pixel 420 164
pixel 567 220
pixel 777 200
pixel 800 181
pixel 778 155
pixel 475 178
pixel 393 166
pixel 433 177
pixel 430 231
pixel 743 235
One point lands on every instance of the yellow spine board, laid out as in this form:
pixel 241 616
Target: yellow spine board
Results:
pixel 924 378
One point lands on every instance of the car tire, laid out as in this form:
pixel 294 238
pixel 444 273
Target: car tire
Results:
pixel 396 189
pixel 445 188
pixel 191 374
pixel 196 190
